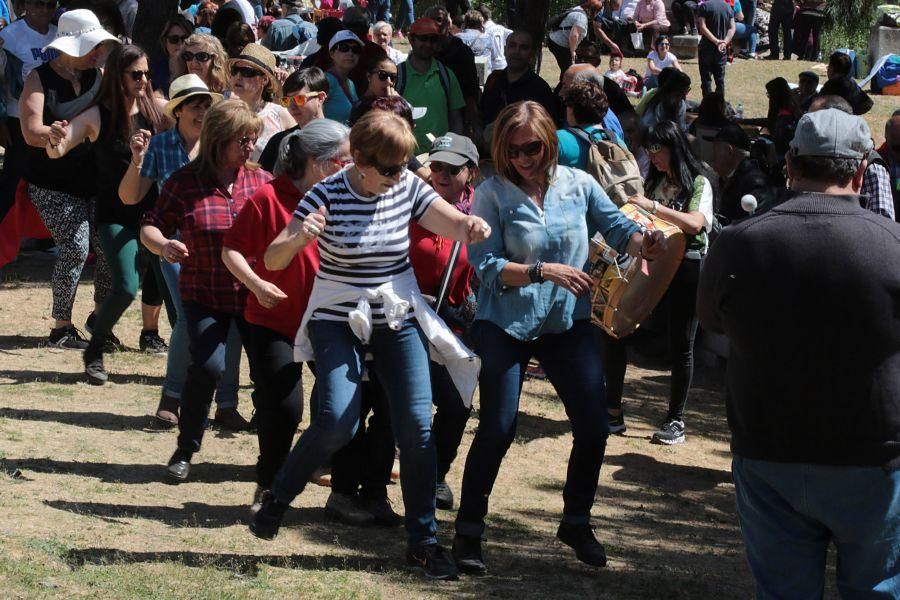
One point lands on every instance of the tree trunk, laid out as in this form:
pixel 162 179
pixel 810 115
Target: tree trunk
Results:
pixel 148 24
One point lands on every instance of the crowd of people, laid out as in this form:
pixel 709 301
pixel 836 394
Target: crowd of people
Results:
pixel 333 213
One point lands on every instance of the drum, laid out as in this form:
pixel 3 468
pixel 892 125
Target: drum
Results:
pixel 626 289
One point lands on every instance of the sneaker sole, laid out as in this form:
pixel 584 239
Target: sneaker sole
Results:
pixel 420 570
pixel 341 518
pixel 657 440
pixel 472 569
pixel 259 536
pixel 95 380
pixel 616 430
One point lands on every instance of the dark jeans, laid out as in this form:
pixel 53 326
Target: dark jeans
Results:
pixel 13 165
pixel 684 13
pixel 570 360
pixel 782 20
pixel 207 331
pixel 277 396
pixel 807 24
pixel 712 68
pixel 616 29
pixel 450 419
pixel 562 55
pixel 679 308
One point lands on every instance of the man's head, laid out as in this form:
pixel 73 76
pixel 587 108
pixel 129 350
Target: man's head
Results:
pixel 520 48
pixel 357 20
pixel 892 136
pixel 592 7
pixel 424 38
pixel 441 17
pixel 569 74
pixel 634 130
pixel 473 19
pixel 731 145
pixel 39 13
pixel 823 101
pixel 290 7
pixel 808 83
pixel 839 65
pixel 828 152
pixel 485 12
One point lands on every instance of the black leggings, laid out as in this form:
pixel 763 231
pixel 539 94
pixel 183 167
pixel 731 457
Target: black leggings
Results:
pixel 679 306
pixel 684 13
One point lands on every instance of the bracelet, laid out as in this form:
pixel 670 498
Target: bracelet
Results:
pixel 137 166
pixel 536 272
pixel 654 207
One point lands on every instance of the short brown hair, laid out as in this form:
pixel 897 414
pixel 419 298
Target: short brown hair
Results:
pixel 222 123
pixel 381 136
pixel 534 117
pixel 587 101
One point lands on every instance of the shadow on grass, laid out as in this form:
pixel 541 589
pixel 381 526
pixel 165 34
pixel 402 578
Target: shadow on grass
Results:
pixel 129 473
pixel 20 376
pixel 645 470
pixel 18 342
pixel 93 420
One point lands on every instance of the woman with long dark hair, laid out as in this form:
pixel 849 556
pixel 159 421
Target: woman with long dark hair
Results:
pixel 784 112
pixel 124 108
pixel 668 102
pixel 174 34
pixel 678 191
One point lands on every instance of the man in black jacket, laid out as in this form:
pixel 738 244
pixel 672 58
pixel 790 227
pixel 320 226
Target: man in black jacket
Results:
pixel 808 294
pixel 740 173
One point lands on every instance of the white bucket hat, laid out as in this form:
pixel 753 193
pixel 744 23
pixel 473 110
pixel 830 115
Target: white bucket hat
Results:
pixel 79 31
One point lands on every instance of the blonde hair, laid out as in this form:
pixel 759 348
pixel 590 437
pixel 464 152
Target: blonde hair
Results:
pixel 381 136
pixel 222 123
pixel 533 117
pixel 216 77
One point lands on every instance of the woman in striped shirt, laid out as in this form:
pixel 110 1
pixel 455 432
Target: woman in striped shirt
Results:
pixel 365 298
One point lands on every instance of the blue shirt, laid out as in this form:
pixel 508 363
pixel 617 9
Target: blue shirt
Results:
pixel 337 105
pixel 575 208
pixel 573 151
pixel 164 156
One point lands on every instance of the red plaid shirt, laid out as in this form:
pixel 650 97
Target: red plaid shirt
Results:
pixel 203 213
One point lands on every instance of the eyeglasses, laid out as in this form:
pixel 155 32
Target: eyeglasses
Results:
pixel 48 5
pixel 245 72
pixel 247 140
pixel 300 100
pixel 530 149
pixel 385 75
pixel 666 45
pixel 138 75
pixel 451 170
pixel 198 56
pixel 174 38
pixel 389 171
pixel 342 162
pixel 654 148
pixel 348 47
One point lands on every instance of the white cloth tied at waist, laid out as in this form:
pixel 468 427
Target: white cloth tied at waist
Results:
pixel 398 296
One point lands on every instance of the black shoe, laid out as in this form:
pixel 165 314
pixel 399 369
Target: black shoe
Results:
pixel 383 513
pixel 467 554
pixel 433 561
pixel 443 496
pixel 111 344
pixel 179 466
pixel 771 57
pixel 267 521
pixel 67 337
pixel 93 367
pixel 581 539
pixel 151 343
pixel 671 432
pixel 617 423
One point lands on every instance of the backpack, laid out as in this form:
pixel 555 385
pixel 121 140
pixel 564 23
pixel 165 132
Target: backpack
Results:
pixel 554 22
pixel 613 166
pixel 442 75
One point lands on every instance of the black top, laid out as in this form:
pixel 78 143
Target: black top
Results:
pixel 112 155
pixel 748 178
pixel 269 155
pixel 73 173
pixel 808 295
pixel 459 58
pixel 718 15
pixel 499 92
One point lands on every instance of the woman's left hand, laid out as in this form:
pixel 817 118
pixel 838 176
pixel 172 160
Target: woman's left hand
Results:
pixel 477 229
pixel 653 244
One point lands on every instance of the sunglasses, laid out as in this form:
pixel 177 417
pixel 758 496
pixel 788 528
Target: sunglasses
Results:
pixel 348 47
pixel 245 72
pixel 174 38
pixel 530 149
pixel 654 148
pixel 385 75
pixel 247 140
pixel 300 100
pixel 51 5
pixel 451 170
pixel 198 56
pixel 389 171
pixel 138 75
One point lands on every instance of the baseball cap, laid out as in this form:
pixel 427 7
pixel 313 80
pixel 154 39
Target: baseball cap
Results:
pixel 453 149
pixel 731 134
pixel 831 133
pixel 425 26
pixel 344 35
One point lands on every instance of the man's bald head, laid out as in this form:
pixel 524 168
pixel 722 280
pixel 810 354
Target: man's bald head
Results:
pixel 569 74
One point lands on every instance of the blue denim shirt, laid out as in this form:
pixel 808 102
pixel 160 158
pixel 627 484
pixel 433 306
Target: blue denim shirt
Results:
pixel 575 208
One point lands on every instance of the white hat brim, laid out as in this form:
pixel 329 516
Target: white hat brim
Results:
pixel 79 45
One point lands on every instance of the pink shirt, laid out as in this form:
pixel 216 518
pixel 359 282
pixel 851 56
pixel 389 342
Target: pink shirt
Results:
pixel 655 10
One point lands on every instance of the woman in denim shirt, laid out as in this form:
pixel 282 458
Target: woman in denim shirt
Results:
pixel 534 301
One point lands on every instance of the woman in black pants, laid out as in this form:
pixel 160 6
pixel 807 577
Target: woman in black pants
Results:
pixel 810 20
pixel 679 192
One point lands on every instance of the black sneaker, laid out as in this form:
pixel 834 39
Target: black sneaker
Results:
pixel 267 520
pixel 348 509
pixel 467 554
pixel 671 432
pixel 617 423
pixel 443 496
pixel 67 337
pixel 581 539
pixel 179 466
pixel 383 513
pixel 93 367
pixel 111 344
pixel 258 496
pixel 151 343
pixel 433 561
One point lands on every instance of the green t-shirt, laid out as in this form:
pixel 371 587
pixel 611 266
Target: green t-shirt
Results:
pixel 426 90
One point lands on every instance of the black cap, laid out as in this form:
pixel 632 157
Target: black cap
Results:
pixel 732 134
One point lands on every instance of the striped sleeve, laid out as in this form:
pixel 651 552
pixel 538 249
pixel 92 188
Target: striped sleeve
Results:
pixel 314 199
pixel 422 196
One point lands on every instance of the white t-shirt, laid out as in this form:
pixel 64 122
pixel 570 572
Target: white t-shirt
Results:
pixel 246 11
pixel 24 44
pixel 499 33
pixel 626 11
pixel 659 63
pixel 395 55
pixel 576 18
pixel 482 45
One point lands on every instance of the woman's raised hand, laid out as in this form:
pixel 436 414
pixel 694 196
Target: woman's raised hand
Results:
pixel 477 229
pixel 575 280
pixel 140 141
pixel 314 223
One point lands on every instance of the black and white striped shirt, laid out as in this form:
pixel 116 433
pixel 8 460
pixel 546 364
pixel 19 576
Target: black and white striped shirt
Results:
pixel 366 239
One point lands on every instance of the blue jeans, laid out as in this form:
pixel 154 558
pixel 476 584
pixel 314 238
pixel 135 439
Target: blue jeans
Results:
pixel 746 30
pixel 379 10
pixel 179 358
pixel 573 364
pixel 401 365
pixel 790 512
pixel 405 15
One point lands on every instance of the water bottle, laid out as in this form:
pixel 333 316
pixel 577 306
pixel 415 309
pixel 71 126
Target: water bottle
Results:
pixel 739 111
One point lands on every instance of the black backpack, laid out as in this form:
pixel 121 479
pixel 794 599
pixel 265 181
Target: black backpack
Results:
pixel 554 22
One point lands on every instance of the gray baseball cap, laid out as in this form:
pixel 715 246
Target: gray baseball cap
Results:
pixel 453 149
pixel 831 133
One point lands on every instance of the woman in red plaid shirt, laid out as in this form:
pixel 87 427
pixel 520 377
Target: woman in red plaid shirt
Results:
pixel 202 200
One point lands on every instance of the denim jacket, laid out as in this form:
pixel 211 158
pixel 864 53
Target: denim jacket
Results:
pixel 575 207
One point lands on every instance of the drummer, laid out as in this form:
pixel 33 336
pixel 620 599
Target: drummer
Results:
pixel 534 300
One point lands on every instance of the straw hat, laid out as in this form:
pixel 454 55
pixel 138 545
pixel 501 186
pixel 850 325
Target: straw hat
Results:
pixel 254 55
pixel 79 31
pixel 185 87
